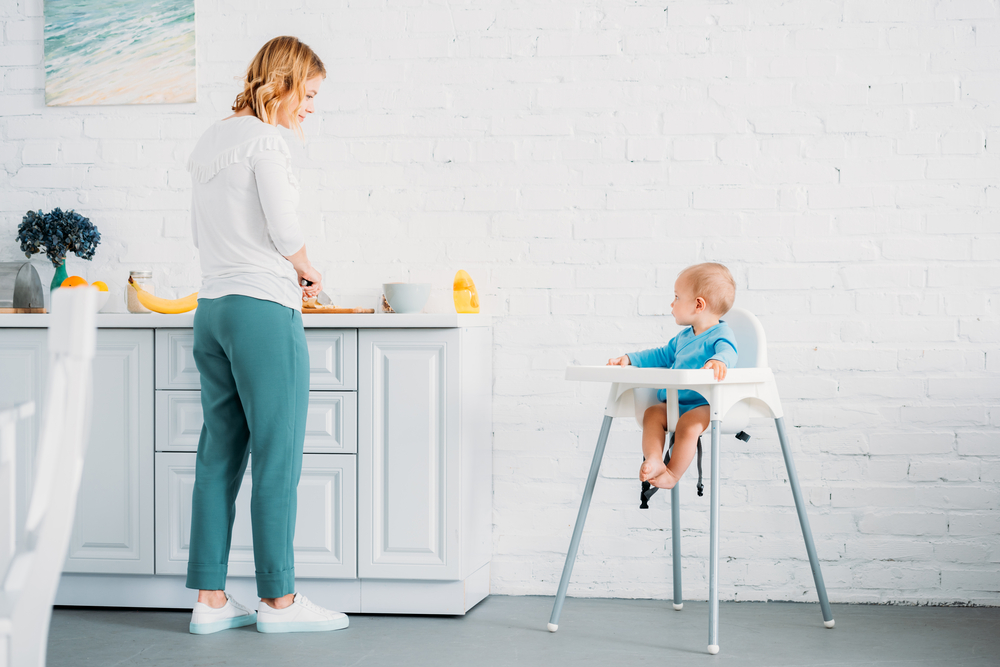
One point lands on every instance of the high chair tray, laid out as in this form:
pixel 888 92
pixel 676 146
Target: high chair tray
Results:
pixel 665 377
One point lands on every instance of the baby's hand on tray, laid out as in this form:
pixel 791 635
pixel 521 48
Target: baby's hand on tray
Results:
pixel 718 367
pixel 620 361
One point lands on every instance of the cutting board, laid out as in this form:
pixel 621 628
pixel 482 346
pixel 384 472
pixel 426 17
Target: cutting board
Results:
pixel 337 311
pixel 25 310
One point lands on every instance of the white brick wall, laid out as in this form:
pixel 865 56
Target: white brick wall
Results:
pixel 841 156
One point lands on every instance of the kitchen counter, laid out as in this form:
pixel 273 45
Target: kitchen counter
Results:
pixel 310 321
pixel 395 498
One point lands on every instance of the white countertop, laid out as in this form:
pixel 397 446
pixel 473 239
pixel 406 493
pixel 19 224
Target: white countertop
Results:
pixel 311 321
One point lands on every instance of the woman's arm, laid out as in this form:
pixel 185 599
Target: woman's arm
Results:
pixel 277 199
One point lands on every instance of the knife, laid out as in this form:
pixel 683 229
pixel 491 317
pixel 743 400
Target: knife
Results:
pixel 323 298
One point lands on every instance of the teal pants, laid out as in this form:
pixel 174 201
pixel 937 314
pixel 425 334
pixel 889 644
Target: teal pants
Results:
pixel 254 366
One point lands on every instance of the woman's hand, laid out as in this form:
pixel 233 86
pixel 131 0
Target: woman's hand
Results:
pixel 311 281
pixel 718 367
pixel 620 361
pixel 307 273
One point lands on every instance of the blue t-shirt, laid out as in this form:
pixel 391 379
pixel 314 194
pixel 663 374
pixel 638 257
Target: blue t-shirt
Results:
pixel 686 350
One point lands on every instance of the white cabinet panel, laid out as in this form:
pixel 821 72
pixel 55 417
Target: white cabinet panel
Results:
pixel 178 421
pixel 325 526
pixel 333 361
pixel 175 367
pixel 23 364
pixel 112 532
pixel 408 454
pixel 331 422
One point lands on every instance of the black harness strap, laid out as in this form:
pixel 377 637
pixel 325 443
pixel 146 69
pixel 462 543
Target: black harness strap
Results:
pixel 701 487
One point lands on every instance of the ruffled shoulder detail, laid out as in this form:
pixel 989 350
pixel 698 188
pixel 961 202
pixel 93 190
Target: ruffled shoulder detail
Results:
pixel 205 170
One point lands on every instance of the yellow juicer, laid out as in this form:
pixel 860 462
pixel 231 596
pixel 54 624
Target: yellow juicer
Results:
pixel 466 297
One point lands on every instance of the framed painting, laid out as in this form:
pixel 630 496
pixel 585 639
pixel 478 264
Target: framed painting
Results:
pixel 119 52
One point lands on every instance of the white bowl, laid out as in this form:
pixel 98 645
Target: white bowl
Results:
pixel 102 298
pixel 406 297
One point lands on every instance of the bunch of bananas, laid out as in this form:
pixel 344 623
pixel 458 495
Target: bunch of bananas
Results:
pixel 161 305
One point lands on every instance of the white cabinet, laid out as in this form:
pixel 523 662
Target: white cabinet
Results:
pixel 23 363
pixel 408 513
pixel 112 532
pixel 113 527
pixel 394 502
pixel 418 471
pixel 325 526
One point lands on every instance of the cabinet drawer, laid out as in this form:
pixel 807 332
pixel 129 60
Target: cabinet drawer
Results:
pixel 333 359
pixel 331 423
pixel 175 368
pixel 326 522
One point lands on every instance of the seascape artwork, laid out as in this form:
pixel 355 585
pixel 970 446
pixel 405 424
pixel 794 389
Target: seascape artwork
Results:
pixel 119 52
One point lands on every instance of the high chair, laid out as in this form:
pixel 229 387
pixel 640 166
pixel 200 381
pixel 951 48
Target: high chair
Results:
pixel 748 390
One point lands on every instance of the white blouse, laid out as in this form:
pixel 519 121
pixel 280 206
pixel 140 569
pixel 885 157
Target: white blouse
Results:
pixel 243 216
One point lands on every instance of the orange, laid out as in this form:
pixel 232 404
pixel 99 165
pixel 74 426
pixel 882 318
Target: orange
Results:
pixel 74 281
pixel 100 285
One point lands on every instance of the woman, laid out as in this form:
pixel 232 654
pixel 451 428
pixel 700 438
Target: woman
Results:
pixel 249 344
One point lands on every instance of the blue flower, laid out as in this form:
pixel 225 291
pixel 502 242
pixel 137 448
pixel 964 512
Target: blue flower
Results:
pixel 57 233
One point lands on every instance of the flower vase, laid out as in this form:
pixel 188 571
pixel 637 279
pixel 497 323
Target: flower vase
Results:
pixel 61 275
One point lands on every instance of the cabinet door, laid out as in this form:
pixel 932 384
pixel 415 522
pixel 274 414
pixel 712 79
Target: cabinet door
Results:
pixel 325 524
pixel 23 363
pixel 408 454
pixel 113 529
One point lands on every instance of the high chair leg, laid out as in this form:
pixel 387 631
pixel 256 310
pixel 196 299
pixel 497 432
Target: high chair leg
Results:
pixel 675 537
pixel 581 519
pixel 713 547
pixel 800 508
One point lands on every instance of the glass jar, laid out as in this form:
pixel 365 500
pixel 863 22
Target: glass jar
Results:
pixel 145 280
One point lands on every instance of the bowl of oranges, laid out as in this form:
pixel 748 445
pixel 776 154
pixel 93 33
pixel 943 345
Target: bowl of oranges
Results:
pixel 102 288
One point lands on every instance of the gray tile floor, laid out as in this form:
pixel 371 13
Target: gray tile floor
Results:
pixel 511 631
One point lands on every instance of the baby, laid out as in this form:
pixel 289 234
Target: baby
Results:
pixel 702 294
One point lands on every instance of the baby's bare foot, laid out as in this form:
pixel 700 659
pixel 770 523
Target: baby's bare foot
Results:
pixel 664 480
pixel 651 468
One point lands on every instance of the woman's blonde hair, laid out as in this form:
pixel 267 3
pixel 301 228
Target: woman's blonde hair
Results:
pixel 282 66
pixel 712 282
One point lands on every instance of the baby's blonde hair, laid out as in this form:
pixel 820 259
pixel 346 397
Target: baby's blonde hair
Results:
pixel 282 66
pixel 712 282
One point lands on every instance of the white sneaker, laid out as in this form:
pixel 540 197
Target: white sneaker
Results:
pixel 300 616
pixel 205 620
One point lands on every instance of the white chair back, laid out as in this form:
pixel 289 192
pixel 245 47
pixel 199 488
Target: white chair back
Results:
pixel 751 342
pixel 30 583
